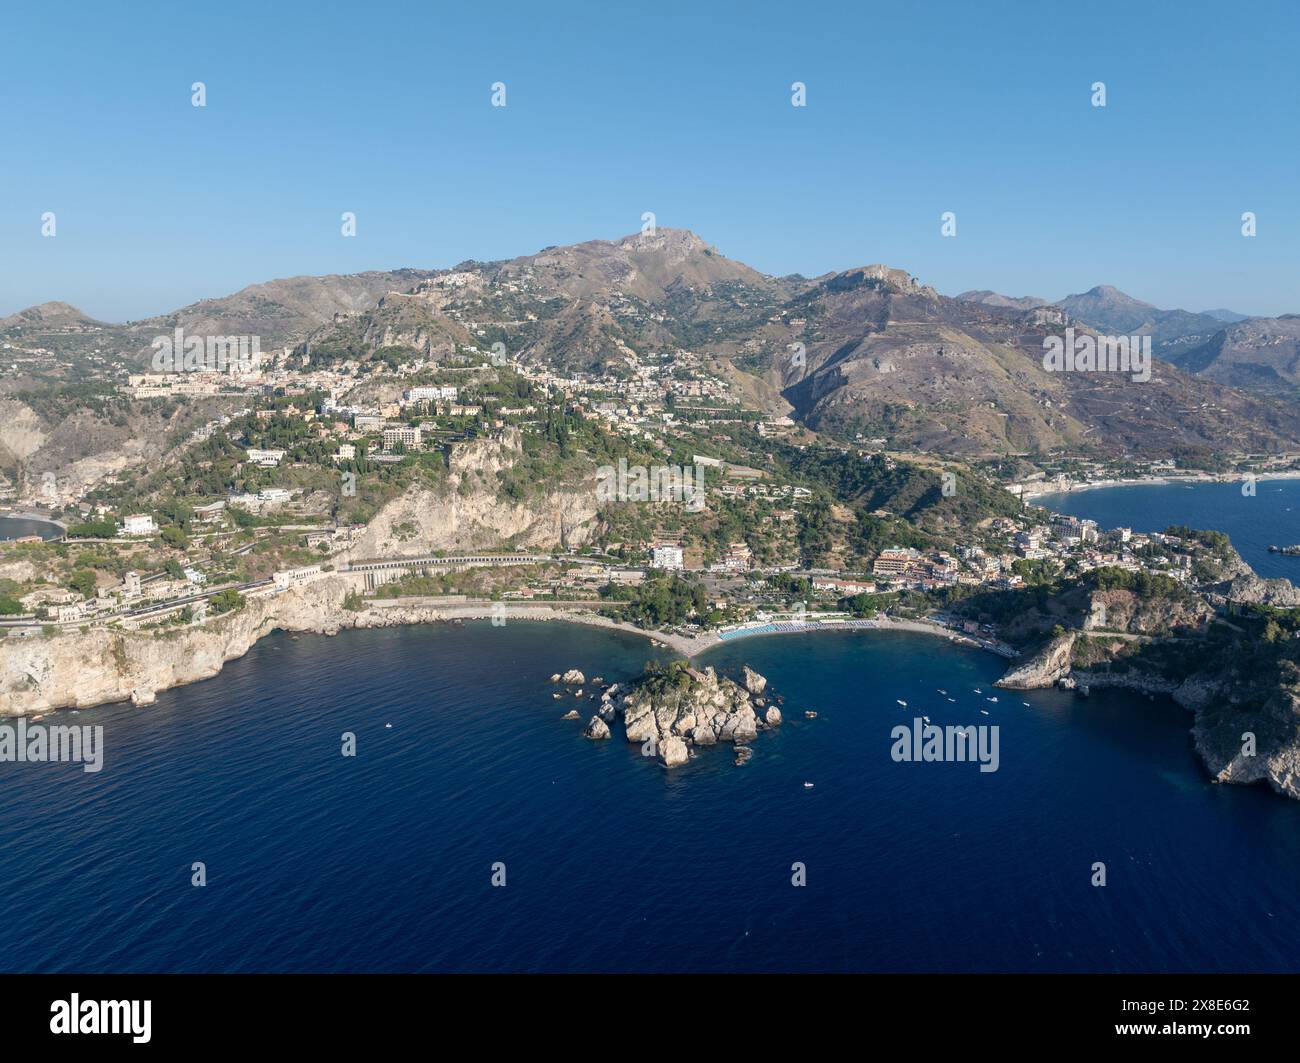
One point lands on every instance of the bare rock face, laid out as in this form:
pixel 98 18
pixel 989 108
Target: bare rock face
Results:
pixel 679 706
pixel 596 728
pixel 673 751
pixel 1048 666
pixel 572 714
pixel 1256 744
pixel 573 676
pixel 469 513
pixel 772 717
pixel 754 682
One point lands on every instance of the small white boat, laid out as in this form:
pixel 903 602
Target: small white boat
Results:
pixel 903 703
pixel 953 700
pixel 978 690
pixel 807 786
pixel 926 719
pixel 994 700
pixel 944 693
pixel 1025 704
pixel 984 711
pixel 388 725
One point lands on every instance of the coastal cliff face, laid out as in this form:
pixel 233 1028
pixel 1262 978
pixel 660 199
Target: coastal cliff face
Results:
pixel 1044 669
pixel 75 669
pixel 470 514
pixel 1245 696
pixel 1252 744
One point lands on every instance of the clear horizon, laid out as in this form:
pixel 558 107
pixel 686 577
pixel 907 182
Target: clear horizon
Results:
pixel 910 113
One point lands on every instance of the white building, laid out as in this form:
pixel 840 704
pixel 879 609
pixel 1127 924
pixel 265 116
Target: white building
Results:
pixel 430 394
pixel 293 577
pixel 268 459
pixel 138 524
pixel 667 557
pixel 411 437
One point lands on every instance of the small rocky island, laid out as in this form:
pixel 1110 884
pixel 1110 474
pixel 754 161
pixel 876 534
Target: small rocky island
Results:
pixel 673 707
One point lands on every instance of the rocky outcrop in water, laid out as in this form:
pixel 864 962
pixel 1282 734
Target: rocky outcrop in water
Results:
pixel 673 708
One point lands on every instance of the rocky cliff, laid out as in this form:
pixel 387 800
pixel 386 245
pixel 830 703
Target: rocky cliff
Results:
pixel 80 668
pixel 470 513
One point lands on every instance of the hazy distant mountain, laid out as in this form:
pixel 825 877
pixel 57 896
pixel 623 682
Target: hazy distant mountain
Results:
pixel 1112 312
pixel 1258 353
pixel 896 360
pixel 988 298
pixel 282 312
pixel 1229 316
pixel 49 315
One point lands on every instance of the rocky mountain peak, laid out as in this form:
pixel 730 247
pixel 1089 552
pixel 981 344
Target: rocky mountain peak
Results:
pixel 54 313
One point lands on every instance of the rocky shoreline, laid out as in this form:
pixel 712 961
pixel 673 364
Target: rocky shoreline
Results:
pixel 100 666
pixel 1245 748
pixel 82 668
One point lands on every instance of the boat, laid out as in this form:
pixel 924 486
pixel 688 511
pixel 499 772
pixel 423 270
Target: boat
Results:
pixel 953 700
pixel 1025 704
pixel 994 700
pixel 388 725
pixel 903 703
pixel 978 690
pixel 926 719
pixel 807 786
pixel 810 715
pixel 984 711
pixel 944 693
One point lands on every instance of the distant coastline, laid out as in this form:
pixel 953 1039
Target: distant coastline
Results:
pixel 1040 489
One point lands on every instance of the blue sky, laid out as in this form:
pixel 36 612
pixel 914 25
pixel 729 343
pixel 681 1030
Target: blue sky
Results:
pixel 684 109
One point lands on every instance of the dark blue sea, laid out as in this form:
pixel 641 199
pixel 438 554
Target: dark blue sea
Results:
pixel 1271 517
pixel 383 862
